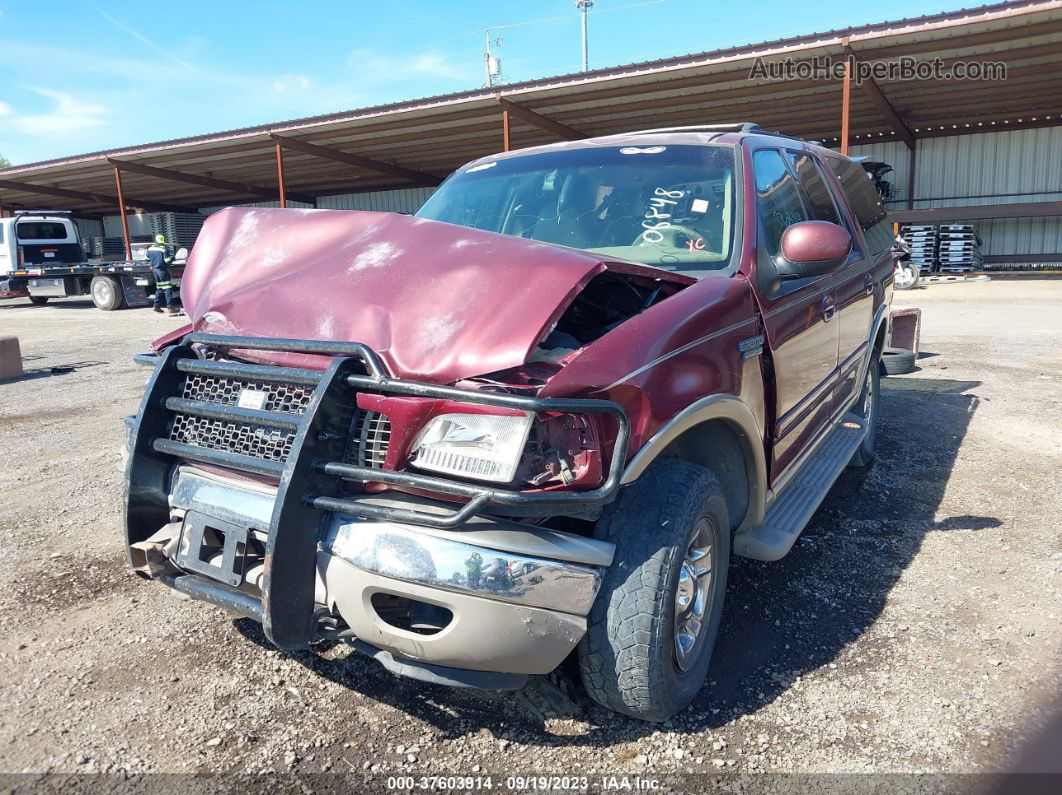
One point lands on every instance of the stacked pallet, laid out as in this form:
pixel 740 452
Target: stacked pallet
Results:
pixel 922 238
pixel 950 248
pixel 181 229
pixel 958 248
pixel 110 248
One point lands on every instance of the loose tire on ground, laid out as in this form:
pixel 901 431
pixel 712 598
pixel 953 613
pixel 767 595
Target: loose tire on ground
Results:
pixel 629 658
pixel 107 293
pixel 39 300
pixel 868 408
pixel 897 361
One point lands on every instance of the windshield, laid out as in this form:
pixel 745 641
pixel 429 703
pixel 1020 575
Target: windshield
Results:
pixel 667 206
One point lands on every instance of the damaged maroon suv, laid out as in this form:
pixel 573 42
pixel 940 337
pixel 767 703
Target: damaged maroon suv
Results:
pixel 533 421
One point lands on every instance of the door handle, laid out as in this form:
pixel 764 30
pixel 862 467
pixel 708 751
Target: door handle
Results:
pixel 829 308
pixel 868 283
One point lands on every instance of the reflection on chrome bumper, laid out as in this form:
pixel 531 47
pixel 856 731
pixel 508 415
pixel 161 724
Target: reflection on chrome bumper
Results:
pixel 404 553
pixel 490 558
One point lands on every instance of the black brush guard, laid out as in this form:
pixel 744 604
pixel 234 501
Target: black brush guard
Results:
pixel 311 476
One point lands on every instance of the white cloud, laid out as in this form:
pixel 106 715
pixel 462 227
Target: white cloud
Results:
pixel 291 82
pixel 374 66
pixel 68 115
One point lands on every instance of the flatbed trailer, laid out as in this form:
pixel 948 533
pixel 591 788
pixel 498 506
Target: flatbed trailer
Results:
pixel 41 257
pixel 111 285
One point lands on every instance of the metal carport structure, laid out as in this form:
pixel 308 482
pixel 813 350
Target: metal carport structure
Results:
pixel 420 141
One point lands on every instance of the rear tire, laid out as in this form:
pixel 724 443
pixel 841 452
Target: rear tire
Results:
pixel 39 300
pixel 897 361
pixel 645 654
pixel 106 293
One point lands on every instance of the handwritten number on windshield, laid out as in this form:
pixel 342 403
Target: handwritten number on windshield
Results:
pixel 656 218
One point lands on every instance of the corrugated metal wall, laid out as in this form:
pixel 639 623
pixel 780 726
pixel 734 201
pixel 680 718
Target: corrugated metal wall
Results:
pixel 897 155
pixel 950 170
pixel 403 200
pixel 406 200
pixel 89 227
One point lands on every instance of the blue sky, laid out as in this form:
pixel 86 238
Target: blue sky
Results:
pixel 79 76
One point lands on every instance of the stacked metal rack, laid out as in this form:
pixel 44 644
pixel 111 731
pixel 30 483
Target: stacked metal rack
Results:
pixel 949 248
pixel 110 248
pixel 922 238
pixel 958 248
pixel 181 229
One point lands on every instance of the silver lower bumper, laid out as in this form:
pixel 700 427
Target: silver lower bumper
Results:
pixel 518 594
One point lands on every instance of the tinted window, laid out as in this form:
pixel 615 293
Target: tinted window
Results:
pixel 41 230
pixel 668 206
pixel 818 195
pixel 868 207
pixel 778 202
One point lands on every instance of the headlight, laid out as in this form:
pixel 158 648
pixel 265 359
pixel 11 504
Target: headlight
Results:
pixel 481 446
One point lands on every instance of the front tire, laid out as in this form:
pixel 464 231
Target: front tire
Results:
pixel 868 409
pixel 906 276
pixel 39 300
pixel 654 624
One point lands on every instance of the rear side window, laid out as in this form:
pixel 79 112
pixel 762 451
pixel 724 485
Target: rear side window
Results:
pixel 868 207
pixel 778 202
pixel 819 199
pixel 42 230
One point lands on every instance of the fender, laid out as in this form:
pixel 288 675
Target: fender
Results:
pixel 880 317
pixel 739 416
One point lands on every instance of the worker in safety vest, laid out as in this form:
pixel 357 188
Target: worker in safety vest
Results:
pixel 161 259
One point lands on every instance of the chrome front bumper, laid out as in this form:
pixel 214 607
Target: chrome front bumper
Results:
pixel 518 593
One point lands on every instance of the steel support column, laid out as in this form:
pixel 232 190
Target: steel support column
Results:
pixel 121 213
pixel 846 101
pixel 280 174
pixel 911 175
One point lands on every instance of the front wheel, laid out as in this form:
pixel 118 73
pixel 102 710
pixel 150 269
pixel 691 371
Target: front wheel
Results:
pixel 868 408
pixel 653 626
pixel 39 300
pixel 906 276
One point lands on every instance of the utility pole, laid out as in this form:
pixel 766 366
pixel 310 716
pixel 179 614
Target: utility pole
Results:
pixel 584 6
pixel 491 63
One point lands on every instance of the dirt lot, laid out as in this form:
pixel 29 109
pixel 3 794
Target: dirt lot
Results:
pixel 915 627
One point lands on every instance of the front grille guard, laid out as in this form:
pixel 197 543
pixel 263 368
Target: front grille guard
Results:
pixel 311 476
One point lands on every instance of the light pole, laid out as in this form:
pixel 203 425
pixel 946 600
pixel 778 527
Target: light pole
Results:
pixel 584 6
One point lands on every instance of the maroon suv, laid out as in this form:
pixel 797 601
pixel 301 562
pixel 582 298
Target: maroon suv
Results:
pixel 533 420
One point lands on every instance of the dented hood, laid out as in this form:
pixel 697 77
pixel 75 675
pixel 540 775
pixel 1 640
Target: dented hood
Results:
pixel 437 301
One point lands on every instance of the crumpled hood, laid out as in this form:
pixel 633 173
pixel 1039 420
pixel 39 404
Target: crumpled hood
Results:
pixel 438 302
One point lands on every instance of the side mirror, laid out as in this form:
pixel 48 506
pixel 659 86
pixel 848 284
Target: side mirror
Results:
pixel 811 248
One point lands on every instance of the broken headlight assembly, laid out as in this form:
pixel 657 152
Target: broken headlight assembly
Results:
pixel 479 446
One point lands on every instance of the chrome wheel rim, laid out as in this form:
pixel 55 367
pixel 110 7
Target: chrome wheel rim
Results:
pixel 693 595
pixel 99 292
pixel 905 276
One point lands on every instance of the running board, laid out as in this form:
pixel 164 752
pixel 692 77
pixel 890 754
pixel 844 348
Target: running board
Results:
pixel 794 506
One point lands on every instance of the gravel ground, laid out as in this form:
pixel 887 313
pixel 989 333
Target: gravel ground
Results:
pixel 914 628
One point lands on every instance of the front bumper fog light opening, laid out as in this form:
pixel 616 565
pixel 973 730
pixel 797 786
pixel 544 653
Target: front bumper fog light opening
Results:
pixel 411 615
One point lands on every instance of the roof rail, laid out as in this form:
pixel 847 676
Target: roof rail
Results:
pixel 739 126
pixel 42 212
